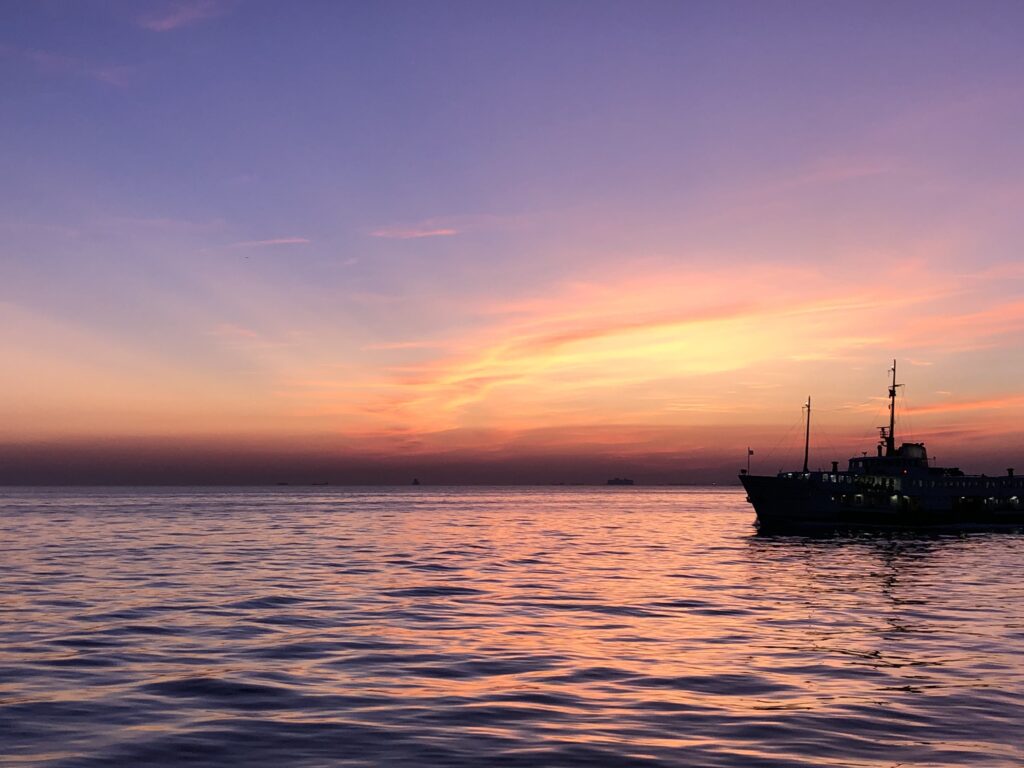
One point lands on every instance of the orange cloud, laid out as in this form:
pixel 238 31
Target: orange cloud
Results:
pixel 621 352
pixel 669 351
pixel 395 345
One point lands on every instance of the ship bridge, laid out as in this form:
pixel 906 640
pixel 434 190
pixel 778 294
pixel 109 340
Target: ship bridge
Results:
pixel 907 456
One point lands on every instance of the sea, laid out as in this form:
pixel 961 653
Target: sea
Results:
pixel 442 626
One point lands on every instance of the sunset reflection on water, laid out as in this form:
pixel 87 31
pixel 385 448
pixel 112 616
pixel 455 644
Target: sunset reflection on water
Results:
pixel 499 626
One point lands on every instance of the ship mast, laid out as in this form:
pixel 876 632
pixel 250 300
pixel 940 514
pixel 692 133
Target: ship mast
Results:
pixel 890 437
pixel 807 434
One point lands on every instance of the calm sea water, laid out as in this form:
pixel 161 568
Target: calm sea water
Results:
pixel 504 627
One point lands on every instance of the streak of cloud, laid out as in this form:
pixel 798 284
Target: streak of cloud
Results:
pixel 413 233
pixel 450 226
pixel 55 64
pixel 393 345
pixel 182 13
pixel 994 403
pixel 271 242
pixel 619 349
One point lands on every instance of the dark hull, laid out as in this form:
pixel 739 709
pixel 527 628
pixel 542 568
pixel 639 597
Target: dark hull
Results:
pixel 798 505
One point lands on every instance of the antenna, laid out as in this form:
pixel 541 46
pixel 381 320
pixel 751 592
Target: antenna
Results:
pixel 807 435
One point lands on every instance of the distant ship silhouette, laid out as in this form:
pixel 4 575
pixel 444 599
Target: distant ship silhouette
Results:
pixel 620 481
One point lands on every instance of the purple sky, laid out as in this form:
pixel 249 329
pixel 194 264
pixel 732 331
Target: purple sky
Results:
pixel 484 234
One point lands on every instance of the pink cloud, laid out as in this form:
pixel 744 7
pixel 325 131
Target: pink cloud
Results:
pixel 163 224
pixel 412 233
pixel 182 13
pixel 57 64
pixel 271 242
pixel 449 226
pixel 836 170
pixel 992 403
pixel 231 331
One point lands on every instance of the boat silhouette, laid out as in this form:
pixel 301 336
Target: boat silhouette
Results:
pixel 896 489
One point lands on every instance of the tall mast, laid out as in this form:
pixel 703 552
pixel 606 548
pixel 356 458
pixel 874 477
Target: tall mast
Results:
pixel 890 438
pixel 807 435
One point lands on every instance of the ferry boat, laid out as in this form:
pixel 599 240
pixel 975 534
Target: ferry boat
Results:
pixel 896 489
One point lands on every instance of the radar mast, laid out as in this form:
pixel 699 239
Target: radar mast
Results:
pixel 807 434
pixel 889 435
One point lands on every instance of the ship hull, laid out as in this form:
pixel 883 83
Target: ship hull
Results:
pixel 800 505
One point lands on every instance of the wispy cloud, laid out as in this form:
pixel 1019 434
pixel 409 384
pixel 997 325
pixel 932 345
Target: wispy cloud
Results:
pixel 160 224
pixel 623 347
pixel 271 242
pixel 55 64
pixel 235 332
pixel 392 345
pixel 835 170
pixel 449 226
pixel 994 403
pixel 244 338
pixel 181 13
pixel 413 233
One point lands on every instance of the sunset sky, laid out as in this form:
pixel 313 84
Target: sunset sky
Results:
pixel 505 242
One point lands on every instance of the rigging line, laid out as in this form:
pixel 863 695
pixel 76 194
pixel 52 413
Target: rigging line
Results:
pixel 904 418
pixel 772 452
pixel 821 435
pixel 870 430
pixel 864 434
pixel 826 437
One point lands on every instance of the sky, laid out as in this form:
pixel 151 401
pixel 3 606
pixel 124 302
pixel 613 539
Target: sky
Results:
pixel 246 241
